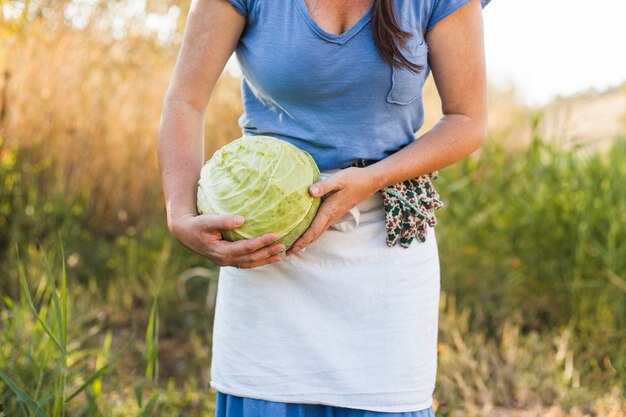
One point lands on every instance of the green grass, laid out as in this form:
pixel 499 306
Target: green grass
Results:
pixel 46 373
pixel 57 358
pixel 539 239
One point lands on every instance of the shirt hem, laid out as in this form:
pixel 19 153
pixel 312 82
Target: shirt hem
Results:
pixel 239 7
pixel 289 399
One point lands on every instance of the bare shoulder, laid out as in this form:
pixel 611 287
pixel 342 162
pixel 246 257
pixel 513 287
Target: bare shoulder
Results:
pixel 462 28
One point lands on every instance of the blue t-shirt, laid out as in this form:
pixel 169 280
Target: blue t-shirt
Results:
pixel 332 95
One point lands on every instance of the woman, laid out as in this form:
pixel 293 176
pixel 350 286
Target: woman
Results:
pixel 349 326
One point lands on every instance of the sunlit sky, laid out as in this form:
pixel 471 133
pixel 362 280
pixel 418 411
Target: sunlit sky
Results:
pixel 548 47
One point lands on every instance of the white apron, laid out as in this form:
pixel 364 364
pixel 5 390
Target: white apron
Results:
pixel 349 322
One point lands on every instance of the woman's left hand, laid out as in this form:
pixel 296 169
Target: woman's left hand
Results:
pixel 343 190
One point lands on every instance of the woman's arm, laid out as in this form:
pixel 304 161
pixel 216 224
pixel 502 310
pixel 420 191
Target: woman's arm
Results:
pixel 457 61
pixel 211 34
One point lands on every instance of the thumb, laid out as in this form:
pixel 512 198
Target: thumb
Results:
pixel 324 187
pixel 226 221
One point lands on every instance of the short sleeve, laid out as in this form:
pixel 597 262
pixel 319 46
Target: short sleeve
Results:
pixel 444 8
pixel 242 6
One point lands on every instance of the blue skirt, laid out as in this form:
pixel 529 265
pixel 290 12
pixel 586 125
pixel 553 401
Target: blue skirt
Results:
pixel 232 406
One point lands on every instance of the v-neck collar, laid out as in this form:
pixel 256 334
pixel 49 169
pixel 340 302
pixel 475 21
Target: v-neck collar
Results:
pixel 333 37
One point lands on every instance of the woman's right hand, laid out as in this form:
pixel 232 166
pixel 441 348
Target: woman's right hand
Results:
pixel 201 234
pixel 212 33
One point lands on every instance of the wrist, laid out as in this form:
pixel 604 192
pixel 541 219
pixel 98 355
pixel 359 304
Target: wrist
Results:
pixel 173 217
pixel 377 176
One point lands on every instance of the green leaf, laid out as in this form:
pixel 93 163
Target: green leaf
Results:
pixel 58 306
pixel 139 395
pixel 147 411
pixel 152 343
pixel 32 405
pixel 24 285
pixel 63 288
pixel 101 361
pixel 87 382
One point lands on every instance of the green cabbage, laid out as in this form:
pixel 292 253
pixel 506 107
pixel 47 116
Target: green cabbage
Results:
pixel 267 181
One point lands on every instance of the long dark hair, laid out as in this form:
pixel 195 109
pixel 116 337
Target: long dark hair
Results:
pixel 390 38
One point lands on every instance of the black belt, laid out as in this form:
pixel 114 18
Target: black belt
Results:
pixel 362 163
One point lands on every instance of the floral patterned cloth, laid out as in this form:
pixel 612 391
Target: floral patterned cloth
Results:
pixel 409 207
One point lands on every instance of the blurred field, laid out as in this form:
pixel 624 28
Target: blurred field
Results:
pixel 532 240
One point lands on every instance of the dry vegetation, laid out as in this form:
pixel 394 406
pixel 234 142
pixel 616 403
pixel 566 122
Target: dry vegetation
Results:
pixel 92 107
pixel 79 113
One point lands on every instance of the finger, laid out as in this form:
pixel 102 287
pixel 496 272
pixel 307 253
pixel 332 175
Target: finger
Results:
pixel 323 217
pixel 248 246
pixel 325 186
pixel 219 222
pixel 409 227
pixel 259 255
pixel 393 220
pixel 256 264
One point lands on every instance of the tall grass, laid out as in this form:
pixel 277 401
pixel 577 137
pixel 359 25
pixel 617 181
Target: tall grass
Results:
pixel 80 113
pixel 58 357
pixel 49 371
pixel 89 107
pixel 539 238
pixel 529 371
